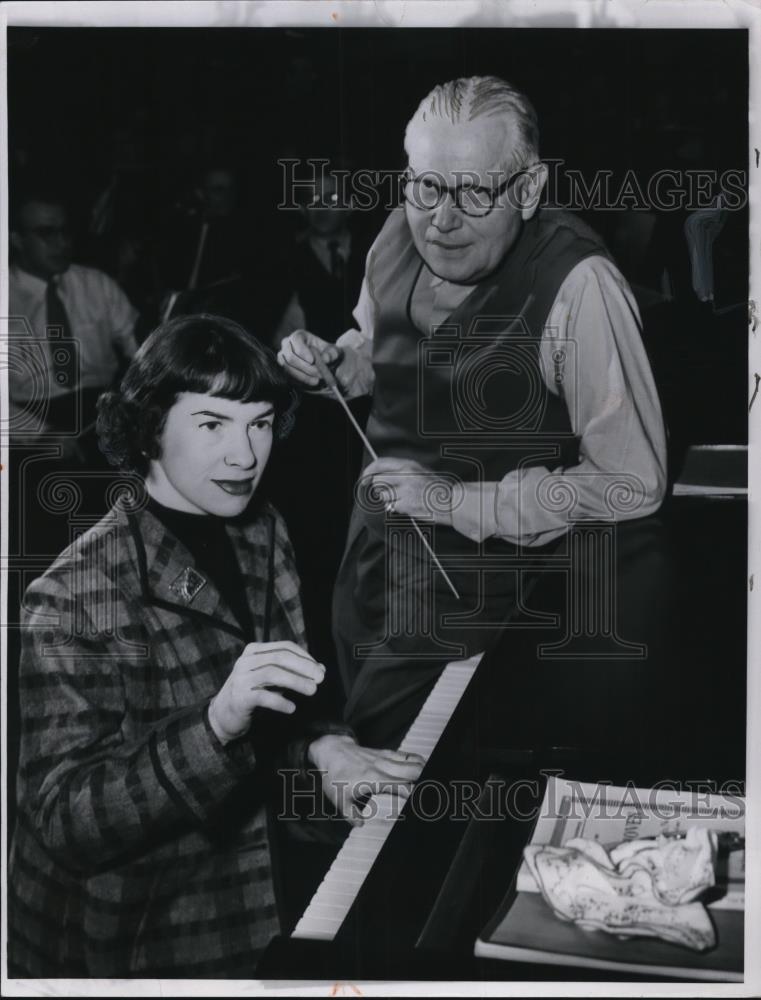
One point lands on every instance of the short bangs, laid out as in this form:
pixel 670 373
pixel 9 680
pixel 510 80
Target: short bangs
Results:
pixel 206 354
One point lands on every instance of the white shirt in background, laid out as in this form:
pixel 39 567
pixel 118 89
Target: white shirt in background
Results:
pixel 102 321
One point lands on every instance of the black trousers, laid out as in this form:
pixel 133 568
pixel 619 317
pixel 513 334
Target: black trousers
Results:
pixel 396 623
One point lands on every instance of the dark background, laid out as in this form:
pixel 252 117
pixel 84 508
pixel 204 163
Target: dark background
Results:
pixel 158 102
pixel 148 109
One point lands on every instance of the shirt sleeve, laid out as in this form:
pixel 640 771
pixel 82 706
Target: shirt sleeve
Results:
pixel 122 317
pixel 356 370
pixel 605 379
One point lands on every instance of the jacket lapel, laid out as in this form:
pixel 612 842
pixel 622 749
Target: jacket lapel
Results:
pixel 269 579
pixel 169 577
pixel 254 561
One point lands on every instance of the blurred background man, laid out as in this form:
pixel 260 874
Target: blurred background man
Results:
pixel 54 301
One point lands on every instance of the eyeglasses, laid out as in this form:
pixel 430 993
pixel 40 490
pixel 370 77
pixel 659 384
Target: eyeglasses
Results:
pixel 426 193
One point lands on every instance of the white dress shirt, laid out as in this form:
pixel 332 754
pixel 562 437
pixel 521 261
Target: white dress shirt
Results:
pixel 102 322
pixel 608 387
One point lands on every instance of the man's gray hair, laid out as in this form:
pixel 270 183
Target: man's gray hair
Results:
pixel 468 98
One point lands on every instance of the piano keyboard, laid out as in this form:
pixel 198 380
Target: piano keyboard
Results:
pixel 333 899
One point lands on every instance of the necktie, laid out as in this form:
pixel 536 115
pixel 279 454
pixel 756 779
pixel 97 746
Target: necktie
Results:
pixel 336 260
pixel 58 330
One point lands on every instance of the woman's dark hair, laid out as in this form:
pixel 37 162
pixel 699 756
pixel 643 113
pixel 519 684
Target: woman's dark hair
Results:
pixel 201 353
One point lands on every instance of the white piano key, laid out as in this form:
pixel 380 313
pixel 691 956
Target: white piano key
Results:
pixel 373 831
pixel 427 734
pixel 358 850
pixel 332 897
pixel 343 886
pixel 314 930
pixel 418 746
pixel 345 865
pixel 359 853
pixel 454 684
pixel 384 805
pixel 426 725
pixel 351 866
pixel 365 844
pixel 432 735
pixel 343 877
pixel 327 911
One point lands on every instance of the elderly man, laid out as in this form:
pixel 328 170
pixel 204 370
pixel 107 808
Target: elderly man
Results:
pixel 511 395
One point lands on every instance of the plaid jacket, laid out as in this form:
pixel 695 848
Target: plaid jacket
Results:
pixel 142 845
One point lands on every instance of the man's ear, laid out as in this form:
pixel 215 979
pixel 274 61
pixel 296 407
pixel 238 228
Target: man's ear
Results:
pixel 15 241
pixel 528 190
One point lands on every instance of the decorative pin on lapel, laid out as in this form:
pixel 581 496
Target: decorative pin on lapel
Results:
pixel 188 584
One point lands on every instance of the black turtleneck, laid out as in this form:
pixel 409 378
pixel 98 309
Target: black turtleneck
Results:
pixel 205 537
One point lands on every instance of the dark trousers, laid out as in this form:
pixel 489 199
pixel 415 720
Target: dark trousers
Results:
pixel 397 624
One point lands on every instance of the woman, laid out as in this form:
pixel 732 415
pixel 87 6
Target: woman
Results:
pixel 155 649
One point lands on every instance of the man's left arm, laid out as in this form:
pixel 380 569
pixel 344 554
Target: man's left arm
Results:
pixel 593 343
pixel 592 340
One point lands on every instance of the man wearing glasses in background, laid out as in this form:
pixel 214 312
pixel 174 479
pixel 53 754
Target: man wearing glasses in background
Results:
pixel 511 392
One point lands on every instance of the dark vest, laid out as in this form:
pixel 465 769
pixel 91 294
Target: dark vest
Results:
pixel 469 398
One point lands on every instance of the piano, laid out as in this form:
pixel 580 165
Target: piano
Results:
pixel 343 881
pixel 654 690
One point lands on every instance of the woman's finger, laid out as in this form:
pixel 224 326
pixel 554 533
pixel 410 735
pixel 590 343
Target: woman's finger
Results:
pixel 301 666
pixel 274 701
pixel 274 676
pixel 400 756
pixel 341 797
pixel 253 647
